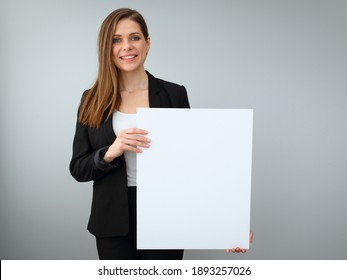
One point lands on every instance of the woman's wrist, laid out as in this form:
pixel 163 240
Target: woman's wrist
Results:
pixel 109 157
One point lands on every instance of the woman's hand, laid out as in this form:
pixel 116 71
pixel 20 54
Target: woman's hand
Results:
pixel 127 140
pixel 241 250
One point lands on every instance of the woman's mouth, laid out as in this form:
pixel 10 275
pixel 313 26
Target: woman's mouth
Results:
pixel 128 58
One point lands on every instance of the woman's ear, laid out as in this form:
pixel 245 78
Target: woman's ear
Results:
pixel 148 44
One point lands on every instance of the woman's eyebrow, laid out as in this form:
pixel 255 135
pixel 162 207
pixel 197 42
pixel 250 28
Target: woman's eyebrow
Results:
pixel 133 33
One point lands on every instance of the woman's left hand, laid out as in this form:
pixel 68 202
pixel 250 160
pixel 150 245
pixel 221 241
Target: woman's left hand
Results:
pixel 241 250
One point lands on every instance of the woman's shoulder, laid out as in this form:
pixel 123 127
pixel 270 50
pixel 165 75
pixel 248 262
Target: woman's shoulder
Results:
pixel 175 93
pixel 163 83
pixel 166 83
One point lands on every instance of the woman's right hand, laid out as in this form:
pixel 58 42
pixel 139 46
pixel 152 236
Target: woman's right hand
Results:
pixel 127 140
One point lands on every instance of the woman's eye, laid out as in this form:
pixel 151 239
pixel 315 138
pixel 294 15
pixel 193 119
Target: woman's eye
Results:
pixel 116 40
pixel 135 38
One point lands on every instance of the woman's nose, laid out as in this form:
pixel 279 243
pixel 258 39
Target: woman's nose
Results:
pixel 126 45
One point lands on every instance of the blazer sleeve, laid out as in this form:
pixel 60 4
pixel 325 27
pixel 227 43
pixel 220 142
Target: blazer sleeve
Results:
pixel 88 164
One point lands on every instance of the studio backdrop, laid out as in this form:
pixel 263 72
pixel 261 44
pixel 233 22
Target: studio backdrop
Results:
pixel 286 60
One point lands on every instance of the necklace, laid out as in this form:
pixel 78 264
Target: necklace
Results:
pixel 135 90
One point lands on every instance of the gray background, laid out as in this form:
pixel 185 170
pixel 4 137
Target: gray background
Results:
pixel 285 59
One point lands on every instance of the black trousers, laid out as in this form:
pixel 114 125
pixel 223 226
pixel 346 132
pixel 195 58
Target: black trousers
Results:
pixel 124 247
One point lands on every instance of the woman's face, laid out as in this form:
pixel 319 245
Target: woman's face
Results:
pixel 130 47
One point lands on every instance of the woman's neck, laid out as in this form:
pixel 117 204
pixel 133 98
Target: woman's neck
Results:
pixel 130 81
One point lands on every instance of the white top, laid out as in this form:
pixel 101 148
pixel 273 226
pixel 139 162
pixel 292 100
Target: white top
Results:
pixel 122 121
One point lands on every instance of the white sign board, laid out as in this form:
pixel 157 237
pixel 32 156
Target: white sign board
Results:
pixel 194 182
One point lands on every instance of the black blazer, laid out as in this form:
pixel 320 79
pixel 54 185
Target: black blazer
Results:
pixel 109 211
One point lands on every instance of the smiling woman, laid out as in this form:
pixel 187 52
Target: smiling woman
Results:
pixel 107 140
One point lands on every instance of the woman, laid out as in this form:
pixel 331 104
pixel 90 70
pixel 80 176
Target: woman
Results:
pixel 106 141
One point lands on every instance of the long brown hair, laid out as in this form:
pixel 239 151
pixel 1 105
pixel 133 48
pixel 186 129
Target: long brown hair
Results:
pixel 102 99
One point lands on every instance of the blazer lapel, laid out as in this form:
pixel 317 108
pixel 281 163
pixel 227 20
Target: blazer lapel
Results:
pixel 108 131
pixel 153 92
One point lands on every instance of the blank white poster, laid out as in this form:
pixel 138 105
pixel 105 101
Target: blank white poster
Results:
pixel 194 182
